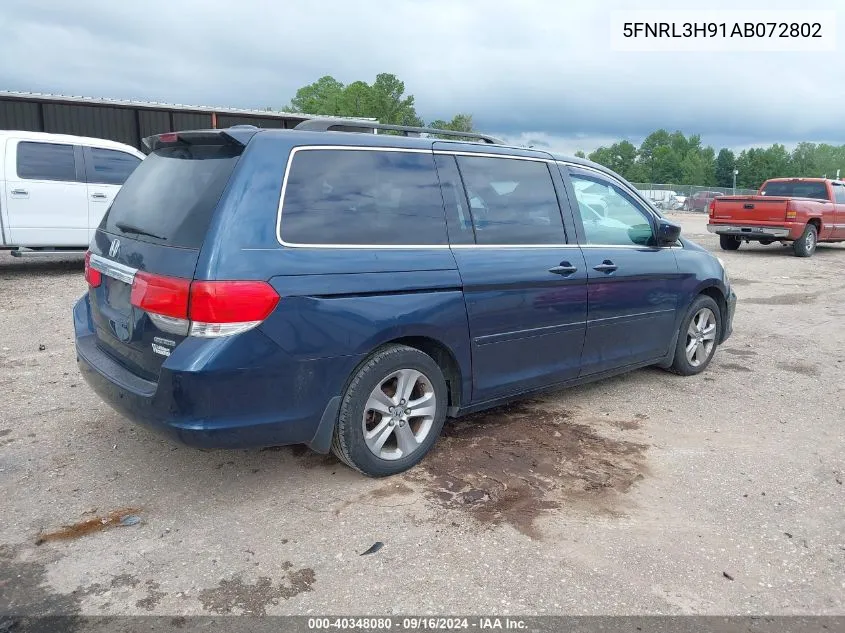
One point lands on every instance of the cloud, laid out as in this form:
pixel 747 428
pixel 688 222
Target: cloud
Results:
pixel 530 70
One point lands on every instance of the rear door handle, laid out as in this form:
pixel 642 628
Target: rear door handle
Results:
pixel 606 266
pixel 565 268
pixel 99 196
pixel 20 192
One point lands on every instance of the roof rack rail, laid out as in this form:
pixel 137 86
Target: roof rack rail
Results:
pixel 352 125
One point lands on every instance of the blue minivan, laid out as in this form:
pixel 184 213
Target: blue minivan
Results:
pixel 349 290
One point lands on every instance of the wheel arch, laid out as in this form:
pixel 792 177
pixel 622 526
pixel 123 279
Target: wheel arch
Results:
pixel 445 359
pixel 717 294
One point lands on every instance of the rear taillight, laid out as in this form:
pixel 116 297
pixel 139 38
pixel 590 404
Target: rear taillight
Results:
pixel 712 208
pixel 92 276
pixel 167 296
pixel 203 308
pixel 791 213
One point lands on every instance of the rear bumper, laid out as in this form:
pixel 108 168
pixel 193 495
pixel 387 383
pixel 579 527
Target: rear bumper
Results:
pixel 753 232
pixel 216 407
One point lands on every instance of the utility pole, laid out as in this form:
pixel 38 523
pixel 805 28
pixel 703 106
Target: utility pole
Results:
pixel 736 171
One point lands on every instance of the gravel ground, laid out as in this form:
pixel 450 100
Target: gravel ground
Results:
pixel 644 494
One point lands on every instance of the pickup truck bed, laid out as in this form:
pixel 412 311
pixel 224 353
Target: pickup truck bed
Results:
pixel 803 211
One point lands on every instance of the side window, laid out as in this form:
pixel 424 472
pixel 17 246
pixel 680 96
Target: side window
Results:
pixel 46 161
pixel 110 167
pixel 458 219
pixel 839 194
pixel 363 197
pixel 609 214
pixel 512 201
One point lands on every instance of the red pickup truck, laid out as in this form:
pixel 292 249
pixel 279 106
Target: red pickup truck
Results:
pixel 804 211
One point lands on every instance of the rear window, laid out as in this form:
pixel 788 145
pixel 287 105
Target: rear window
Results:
pixel 46 161
pixel 359 197
pixel 816 190
pixel 169 199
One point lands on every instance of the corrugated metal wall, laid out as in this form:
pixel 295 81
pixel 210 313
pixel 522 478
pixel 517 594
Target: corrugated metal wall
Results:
pixel 124 124
pixel 117 124
pixel 19 115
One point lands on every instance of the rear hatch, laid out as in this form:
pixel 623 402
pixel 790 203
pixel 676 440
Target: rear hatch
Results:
pixel 145 252
pixel 748 208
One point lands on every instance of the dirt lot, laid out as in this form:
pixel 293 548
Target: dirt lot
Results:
pixel 648 493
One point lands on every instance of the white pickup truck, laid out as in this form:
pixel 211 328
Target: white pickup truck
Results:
pixel 55 189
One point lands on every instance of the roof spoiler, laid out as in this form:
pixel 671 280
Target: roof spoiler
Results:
pixel 236 135
pixel 367 127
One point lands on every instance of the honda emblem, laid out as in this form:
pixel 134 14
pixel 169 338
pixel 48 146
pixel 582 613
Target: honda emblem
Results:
pixel 114 248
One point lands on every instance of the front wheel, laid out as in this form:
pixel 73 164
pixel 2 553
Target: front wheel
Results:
pixel 392 412
pixel 729 242
pixel 805 245
pixel 698 337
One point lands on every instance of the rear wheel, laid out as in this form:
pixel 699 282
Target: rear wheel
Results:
pixel 698 337
pixel 805 245
pixel 729 242
pixel 392 412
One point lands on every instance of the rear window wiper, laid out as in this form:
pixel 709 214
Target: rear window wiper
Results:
pixel 128 228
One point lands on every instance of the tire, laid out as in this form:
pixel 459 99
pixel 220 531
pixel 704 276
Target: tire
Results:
pixel 697 317
pixel 401 440
pixel 805 245
pixel 729 242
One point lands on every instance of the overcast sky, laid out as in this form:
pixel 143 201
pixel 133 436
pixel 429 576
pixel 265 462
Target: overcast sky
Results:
pixel 536 71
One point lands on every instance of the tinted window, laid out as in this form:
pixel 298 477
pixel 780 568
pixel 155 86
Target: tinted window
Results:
pixel 46 161
pixel 796 189
pixel 363 197
pixel 839 194
pixel 458 219
pixel 171 196
pixel 512 201
pixel 110 167
pixel 609 214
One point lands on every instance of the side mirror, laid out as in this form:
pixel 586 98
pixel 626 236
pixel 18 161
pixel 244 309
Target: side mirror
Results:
pixel 667 232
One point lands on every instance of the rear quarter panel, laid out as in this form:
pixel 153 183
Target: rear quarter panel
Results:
pixel 339 303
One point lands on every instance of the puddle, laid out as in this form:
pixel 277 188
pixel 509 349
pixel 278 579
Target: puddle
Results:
pixel 87 526
pixel 515 463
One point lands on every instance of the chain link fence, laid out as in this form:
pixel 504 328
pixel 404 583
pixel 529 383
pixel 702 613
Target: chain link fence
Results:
pixel 686 197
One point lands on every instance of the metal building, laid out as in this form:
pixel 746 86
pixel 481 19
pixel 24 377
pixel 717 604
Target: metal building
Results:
pixel 125 121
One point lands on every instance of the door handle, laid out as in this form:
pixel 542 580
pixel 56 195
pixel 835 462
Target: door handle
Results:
pixel 20 192
pixel 565 268
pixel 100 196
pixel 606 266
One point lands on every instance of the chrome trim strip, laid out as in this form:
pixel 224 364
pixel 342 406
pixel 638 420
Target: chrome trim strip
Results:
pixel 536 159
pixel 113 269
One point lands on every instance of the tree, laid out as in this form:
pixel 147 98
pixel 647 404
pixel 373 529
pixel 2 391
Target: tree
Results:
pixel 620 157
pixel 580 154
pixel 321 97
pixel 724 168
pixel 388 103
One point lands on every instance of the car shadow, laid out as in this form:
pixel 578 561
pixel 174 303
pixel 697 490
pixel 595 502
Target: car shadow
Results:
pixel 24 266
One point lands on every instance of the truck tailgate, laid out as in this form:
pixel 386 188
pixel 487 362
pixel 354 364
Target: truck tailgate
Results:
pixel 749 208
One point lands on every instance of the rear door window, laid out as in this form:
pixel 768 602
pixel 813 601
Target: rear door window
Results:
pixel 512 202
pixel 109 166
pixel 171 196
pixel 46 161
pixel 839 194
pixel 362 197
